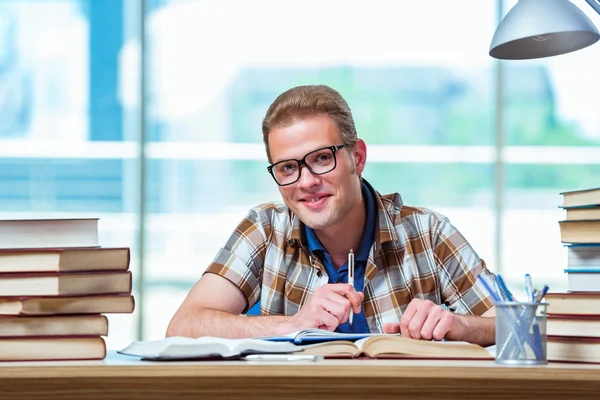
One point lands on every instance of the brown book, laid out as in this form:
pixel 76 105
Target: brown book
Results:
pixel 573 325
pixel 396 346
pixel 72 325
pixel 579 198
pixel 573 303
pixel 580 231
pixel 582 213
pixel 99 304
pixel 52 348
pixel 65 260
pixel 46 233
pixel 71 284
pixel 571 349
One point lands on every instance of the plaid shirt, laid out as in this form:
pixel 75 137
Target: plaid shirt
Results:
pixel 417 254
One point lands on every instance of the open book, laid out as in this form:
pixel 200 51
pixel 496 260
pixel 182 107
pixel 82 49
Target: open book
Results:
pixel 311 336
pixel 396 346
pixel 206 347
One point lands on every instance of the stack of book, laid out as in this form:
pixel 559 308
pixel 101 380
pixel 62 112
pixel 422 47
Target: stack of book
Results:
pixel 56 284
pixel 573 325
pixel 580 231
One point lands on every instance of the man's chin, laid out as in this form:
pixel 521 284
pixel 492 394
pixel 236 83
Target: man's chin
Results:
pixel 316 223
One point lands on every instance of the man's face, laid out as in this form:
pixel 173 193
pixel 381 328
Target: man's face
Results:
pixel 320 201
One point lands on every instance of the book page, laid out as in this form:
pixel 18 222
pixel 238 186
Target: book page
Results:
pixel 178 347
pixel 396 345
pixel 335 348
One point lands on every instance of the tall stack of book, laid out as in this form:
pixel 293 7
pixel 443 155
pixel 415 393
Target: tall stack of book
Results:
pixel 56 284
pixel 573 325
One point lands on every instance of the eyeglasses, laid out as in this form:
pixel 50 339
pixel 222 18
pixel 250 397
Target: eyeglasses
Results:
pixel 318 162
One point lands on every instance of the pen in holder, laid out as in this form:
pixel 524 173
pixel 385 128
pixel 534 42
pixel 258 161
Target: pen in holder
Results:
pixel 521 332
pixel 520 326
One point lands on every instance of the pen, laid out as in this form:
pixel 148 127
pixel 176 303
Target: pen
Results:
pixel 513 336
pixel 351 280
pixel 541 294
pixel 504 288
pixel 529 287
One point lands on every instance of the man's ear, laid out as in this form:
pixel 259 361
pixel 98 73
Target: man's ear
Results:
pixel 360 156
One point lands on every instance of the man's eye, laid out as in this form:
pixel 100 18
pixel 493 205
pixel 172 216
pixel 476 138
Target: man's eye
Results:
pixel 287 168
pixel 323 157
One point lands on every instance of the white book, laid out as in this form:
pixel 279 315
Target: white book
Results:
pixel 583 256
pixel 583 280
pixel 48 233
pixel 179 348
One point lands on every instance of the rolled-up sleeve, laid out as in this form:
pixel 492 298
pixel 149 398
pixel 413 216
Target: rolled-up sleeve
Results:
pixel 459 270
pixel 241 260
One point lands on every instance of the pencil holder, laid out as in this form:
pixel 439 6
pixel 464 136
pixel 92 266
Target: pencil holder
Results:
pixel 521 333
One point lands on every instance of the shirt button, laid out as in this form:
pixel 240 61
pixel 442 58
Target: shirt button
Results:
pixel 319 273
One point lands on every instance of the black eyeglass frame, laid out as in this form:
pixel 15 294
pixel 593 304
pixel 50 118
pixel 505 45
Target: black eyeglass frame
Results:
pixel 334 150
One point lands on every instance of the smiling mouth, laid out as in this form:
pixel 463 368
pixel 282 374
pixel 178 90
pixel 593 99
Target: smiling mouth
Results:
pixel 314 199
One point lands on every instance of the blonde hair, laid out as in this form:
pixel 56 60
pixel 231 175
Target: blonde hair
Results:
pixel 305 101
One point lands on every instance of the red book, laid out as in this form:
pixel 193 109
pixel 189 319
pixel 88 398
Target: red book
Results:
pixel 59 325
pixel 573 325
pixel 573 303
pixel 572 349
pixel 66 305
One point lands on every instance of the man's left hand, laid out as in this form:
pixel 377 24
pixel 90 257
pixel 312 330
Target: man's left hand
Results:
pixel 423 319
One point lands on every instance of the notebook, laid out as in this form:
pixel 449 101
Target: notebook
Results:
pixel 311 336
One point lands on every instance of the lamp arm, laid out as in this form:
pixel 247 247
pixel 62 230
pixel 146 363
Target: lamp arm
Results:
pixel 594 4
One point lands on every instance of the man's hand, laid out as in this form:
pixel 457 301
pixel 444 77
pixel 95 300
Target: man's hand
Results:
pixel 427 320
pixel 328 307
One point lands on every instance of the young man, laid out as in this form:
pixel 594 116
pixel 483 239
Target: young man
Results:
pixel 292 257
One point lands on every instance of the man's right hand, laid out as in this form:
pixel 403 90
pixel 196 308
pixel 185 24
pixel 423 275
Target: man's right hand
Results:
pixel 327 307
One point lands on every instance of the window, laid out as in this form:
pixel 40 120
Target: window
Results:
pixel 552 133
pixel 66 149
pixel 419 81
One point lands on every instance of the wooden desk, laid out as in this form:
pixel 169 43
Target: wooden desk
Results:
pixel 120 377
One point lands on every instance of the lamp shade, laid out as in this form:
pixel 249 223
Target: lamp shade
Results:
pixel 542 28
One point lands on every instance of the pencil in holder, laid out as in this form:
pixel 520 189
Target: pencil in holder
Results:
pixel 521 333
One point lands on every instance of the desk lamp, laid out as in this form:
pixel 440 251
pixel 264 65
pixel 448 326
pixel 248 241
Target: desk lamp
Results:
pixel 543 28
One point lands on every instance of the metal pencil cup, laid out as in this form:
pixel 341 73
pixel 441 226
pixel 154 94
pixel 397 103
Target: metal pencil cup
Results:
pixel 521 333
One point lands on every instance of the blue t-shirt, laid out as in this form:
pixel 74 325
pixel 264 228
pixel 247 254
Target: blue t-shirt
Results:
pixel 359 323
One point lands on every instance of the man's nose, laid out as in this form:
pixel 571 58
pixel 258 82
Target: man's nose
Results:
pixel 307 178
